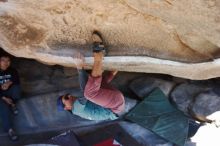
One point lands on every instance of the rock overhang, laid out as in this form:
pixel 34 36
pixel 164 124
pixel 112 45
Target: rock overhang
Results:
pixel 169 37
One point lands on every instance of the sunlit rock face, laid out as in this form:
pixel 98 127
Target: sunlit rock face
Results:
pixel 181 31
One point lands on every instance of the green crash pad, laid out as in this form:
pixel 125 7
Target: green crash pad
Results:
pixel 157 114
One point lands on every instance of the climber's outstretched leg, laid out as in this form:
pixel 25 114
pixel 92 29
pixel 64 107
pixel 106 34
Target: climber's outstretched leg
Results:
pixel 97 89
pixel 98 53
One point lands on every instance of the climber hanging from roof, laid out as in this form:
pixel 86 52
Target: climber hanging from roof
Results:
pixel 101 101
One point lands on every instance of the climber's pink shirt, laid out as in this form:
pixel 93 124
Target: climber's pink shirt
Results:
pixel 99 91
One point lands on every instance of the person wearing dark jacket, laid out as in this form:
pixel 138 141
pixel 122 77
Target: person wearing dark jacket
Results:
pixel 9 93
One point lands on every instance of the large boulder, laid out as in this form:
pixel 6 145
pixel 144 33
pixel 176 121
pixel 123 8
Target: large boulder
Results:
pixel 51 30
pixel 184 95
pixel 206 104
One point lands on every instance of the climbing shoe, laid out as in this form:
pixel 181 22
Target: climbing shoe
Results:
pixel 98 43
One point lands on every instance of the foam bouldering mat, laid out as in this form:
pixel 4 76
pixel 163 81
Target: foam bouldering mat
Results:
pixel 155 113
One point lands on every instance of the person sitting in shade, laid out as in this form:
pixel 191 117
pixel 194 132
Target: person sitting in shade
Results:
pixel 10 92
pixel 101 101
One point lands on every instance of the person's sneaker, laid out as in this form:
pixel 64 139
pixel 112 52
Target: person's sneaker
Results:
pixel 12 135
pixel 98 43
pixel 14 110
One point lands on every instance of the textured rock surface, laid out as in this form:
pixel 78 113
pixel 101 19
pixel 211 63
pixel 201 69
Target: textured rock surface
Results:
pixel 37 78
pixel 184 95
pixel 206 104
pixel 50 31
pixel 144 85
